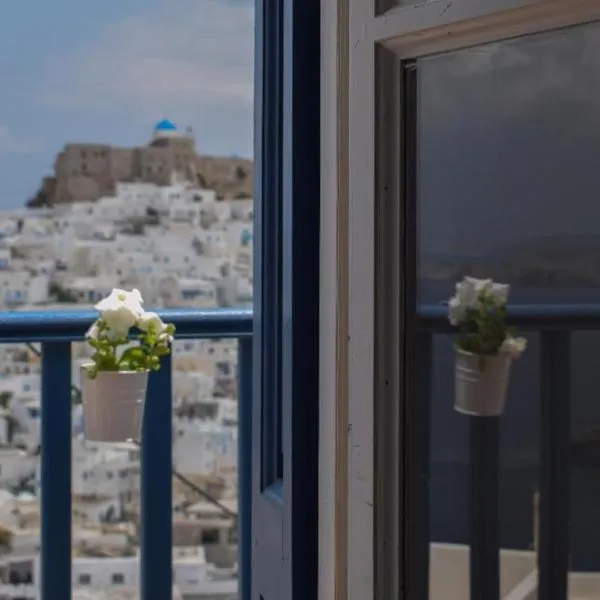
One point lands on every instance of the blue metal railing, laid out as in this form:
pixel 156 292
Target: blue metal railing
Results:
pixel 55 331
pixel 554 324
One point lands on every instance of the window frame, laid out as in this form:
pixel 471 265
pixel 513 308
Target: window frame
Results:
pixel 286 242
pixel 360 138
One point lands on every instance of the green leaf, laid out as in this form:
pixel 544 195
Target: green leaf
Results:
pixel 143 355
pixel 133 358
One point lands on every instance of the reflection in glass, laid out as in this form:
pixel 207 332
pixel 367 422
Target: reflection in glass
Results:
pixel 509 188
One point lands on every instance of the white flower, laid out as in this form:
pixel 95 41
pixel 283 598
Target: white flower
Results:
pixel 464 299
pixel 120 310
pixel 131 299
pixel 500 292
pixel 150 320
pixel 456 311
pixel 92 332
pixel 514 347
pixel 165 337
pixel 467 291
pixel 470 288
pixel 136 296
pixel 477 286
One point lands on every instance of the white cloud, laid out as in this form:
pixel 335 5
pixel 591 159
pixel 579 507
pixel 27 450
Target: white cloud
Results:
pixel 182 56
pixel 14 144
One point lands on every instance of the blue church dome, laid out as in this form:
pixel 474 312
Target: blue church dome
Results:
pixel 165 125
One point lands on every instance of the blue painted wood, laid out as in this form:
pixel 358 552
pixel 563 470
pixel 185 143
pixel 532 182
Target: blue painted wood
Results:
pixel 549 317
pixel 301 259
pixel 267 519
pixel 56 330
pixel 286 357
pixel 245 467
pixel 67 325
pixel 157 490
pixel 484 556
pixel 271 248
pixel 56 471
pixel 555 429
pixel 156 498
pixel 37 326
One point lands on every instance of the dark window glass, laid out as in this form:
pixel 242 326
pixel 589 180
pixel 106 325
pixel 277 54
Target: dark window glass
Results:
pixel 509 188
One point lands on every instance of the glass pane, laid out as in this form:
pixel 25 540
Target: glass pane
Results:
pixel 508 188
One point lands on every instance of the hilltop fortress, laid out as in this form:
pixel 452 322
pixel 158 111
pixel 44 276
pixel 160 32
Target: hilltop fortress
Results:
pixel 86 172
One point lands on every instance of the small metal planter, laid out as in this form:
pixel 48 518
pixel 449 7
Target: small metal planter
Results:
pixel 113 405
pixel 481 383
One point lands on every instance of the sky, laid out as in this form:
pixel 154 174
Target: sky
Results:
pixel 106 72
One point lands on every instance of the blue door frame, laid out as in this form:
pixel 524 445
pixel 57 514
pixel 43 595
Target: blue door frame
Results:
pixel 286 326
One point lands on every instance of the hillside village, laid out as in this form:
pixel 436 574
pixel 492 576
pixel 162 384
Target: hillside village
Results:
pixel 183 244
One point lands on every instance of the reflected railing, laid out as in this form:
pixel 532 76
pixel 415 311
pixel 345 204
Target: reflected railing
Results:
pixel 554 324
pixel 55 331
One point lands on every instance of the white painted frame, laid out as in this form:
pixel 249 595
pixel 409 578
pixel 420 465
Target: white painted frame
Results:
pixel 351 31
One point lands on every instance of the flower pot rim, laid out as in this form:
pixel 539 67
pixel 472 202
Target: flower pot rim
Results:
pixel 466 353
pixel 83 366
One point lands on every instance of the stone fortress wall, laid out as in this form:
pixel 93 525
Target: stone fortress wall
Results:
pixel 84 172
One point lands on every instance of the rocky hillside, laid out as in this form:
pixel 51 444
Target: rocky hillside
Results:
pixel 43 197
pixel 230 177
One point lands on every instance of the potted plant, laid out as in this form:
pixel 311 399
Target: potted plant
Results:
pixel 485 346
pixel 114 381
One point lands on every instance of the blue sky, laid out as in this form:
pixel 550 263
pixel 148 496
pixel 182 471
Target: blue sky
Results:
pixel 107 71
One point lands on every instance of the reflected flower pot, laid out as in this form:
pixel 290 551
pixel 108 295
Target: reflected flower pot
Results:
pixel 481 383
pixel 113 405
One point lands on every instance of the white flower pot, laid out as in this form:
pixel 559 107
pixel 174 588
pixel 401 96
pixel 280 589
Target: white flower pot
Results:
pixel 481 385
pixel 113 405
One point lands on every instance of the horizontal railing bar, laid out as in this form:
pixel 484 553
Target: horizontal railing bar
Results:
pixel 71 325
pixel 566 317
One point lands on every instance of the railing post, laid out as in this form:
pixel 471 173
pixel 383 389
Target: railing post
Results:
pixel 484 559
pixel 245 466
pixel 416 426
pixel 56 433
pixel 555 396
pixel 156 554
